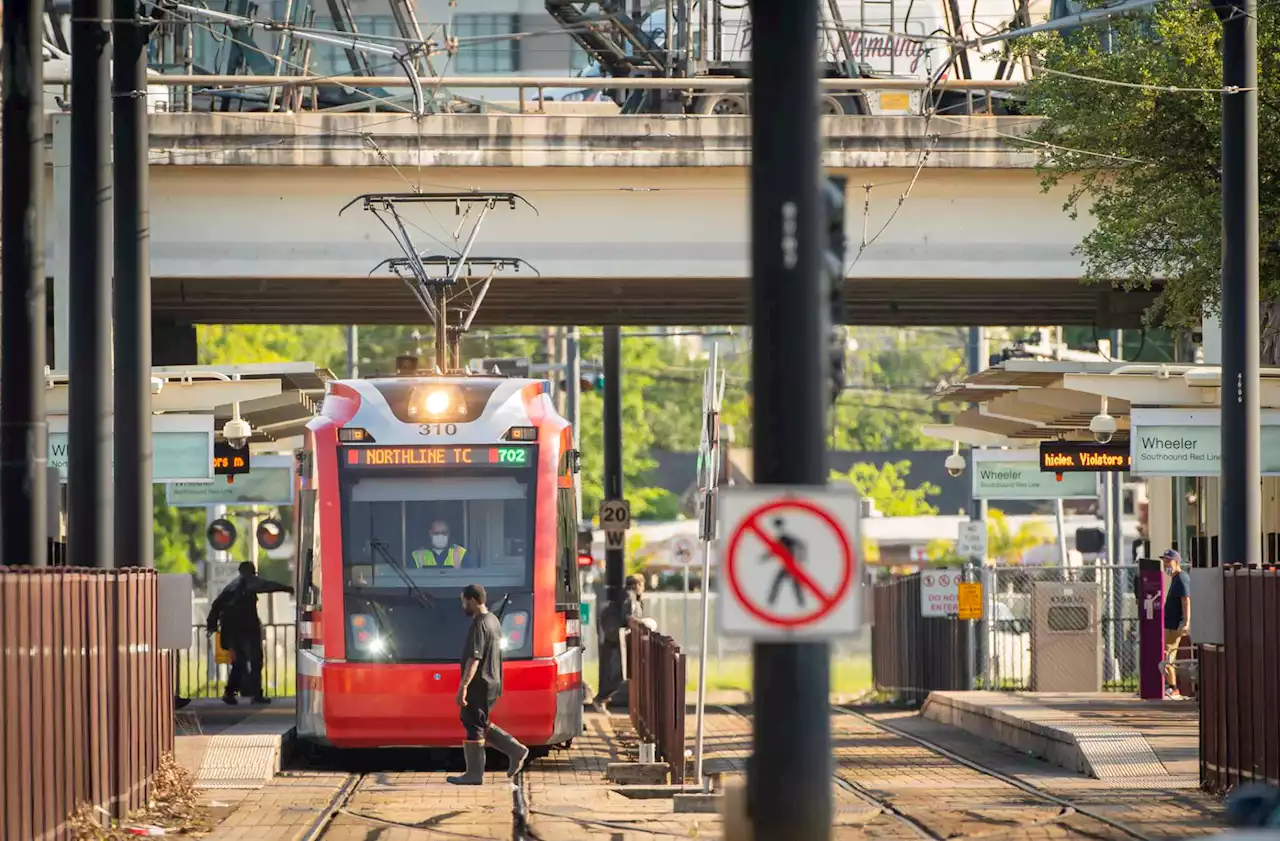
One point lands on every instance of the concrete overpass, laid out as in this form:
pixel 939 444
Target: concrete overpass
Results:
pixel 640 219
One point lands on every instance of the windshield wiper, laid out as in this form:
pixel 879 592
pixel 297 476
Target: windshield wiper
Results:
pixel 503 606
pixel 425 598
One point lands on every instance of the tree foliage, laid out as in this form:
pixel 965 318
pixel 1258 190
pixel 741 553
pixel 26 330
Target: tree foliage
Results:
pixel 1143 160
pixel 887 487
pixel 1003 544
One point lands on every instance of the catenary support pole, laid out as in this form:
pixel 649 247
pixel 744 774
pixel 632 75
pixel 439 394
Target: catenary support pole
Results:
pixel 573 399
pixel 353 352
pixel 23 433
pixel 134 506
pixel 789 774
pixel 1241 504
pixel 89 524
pixel 614 562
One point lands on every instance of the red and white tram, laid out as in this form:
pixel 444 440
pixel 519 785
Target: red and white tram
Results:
pixel 381 629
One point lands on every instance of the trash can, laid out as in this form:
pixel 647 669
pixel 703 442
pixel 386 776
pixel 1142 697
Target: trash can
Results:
pixel 1066 645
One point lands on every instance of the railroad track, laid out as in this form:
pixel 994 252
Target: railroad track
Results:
pixel 884 805
pixel 340 803
pixel 1068 808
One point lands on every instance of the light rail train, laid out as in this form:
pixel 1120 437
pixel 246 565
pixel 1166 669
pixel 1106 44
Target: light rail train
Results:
pixel 387 465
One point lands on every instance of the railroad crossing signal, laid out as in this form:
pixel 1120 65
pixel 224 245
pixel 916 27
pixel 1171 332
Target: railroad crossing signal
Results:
pixel 791 563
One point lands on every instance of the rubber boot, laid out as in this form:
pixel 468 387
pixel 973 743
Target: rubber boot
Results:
pixel 474 751
pixel 507 744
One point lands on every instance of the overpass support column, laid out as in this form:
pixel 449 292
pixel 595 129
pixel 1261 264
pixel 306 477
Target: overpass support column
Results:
pixel 135 517
pixel 89 411
pixel 23 433
pixel 789 773
pixel 173 343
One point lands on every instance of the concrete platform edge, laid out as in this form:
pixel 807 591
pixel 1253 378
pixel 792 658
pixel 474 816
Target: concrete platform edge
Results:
pixel 1031 737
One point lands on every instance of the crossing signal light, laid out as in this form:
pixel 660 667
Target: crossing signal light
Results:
pixel 221 534
pixel 588 383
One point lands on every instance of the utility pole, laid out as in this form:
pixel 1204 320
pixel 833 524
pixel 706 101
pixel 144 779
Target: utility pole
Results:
pixel 23 431
pixel 789 774
pixel 614 559
pixel 135 514
pixel 89 416
pixel 1241 506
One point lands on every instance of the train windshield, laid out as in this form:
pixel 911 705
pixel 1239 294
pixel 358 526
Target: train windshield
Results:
pixel 412 542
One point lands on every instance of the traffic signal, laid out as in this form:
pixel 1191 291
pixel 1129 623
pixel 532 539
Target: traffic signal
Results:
pixel 588 383
pixel 833 256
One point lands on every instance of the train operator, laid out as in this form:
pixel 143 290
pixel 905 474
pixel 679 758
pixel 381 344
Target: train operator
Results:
pixel 442 552
pixel 480 689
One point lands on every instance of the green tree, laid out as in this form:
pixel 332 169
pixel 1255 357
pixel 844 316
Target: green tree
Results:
pixel 1143 160
pixel 1007 546
pixel 179 534
pixel 887 487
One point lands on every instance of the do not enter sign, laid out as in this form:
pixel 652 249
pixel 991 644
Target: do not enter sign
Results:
pixel 791 563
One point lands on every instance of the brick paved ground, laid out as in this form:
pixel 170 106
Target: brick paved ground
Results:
pixel 570 799
pixel 914 777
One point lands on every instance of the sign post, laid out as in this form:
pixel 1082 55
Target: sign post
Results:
pixel 789 792
pixel 972 544
pixel 791 564
pixel 1150 629
pixel 708 484
pixel 940 593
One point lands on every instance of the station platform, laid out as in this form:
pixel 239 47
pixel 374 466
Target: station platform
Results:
pixel 233 748
pixel 1120 739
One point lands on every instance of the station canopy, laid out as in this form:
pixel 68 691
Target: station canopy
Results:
pixel 1022 402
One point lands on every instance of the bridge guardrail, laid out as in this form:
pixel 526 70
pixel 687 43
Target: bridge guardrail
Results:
pixel 525 85
pixel 656 672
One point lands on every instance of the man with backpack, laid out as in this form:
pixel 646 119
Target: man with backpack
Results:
pixel 235 614
pixel 613 619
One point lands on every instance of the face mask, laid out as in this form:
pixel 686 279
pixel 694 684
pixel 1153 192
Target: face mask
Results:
pixel 439 541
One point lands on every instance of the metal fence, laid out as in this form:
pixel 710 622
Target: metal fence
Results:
pixel 199 675
pixel 1239 683
pixel 1007 654
pixel 911 655
pixel 656 701
pixel 87 695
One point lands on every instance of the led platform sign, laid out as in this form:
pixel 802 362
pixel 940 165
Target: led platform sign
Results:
pixel 447 456
pixel 1081 457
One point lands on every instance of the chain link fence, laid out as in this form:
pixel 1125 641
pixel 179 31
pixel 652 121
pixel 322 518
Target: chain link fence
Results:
pixel 1065 629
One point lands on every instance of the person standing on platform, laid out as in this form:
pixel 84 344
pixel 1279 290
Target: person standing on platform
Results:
pixel 480 689
pixel 235 613
pixel 612 621
pixel 1177 617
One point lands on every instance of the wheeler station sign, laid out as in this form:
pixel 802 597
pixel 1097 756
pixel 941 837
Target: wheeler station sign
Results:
pixel 1081 457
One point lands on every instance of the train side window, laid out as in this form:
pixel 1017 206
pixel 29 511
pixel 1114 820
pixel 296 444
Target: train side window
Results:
pixel 568 589
pixel 309 566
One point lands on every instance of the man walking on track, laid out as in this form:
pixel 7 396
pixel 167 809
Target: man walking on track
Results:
pixel 795 548
pixel 480 689
pixel 235 612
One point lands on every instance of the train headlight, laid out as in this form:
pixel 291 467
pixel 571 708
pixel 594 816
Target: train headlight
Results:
pixel 365 636
pixel 515 630
pixel 437 402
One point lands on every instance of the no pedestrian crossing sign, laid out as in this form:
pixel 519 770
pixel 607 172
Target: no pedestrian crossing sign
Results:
pixel 791 563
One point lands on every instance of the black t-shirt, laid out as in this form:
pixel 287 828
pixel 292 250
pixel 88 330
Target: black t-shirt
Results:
pixel 1179 588
pixel 484 645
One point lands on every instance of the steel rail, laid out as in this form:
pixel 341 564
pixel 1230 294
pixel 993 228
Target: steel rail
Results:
pixel 1008 779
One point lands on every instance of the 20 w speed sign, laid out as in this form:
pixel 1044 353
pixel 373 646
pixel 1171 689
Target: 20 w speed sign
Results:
pixel 615 515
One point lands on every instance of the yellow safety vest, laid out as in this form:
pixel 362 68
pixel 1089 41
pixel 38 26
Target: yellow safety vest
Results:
pixel 427 558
